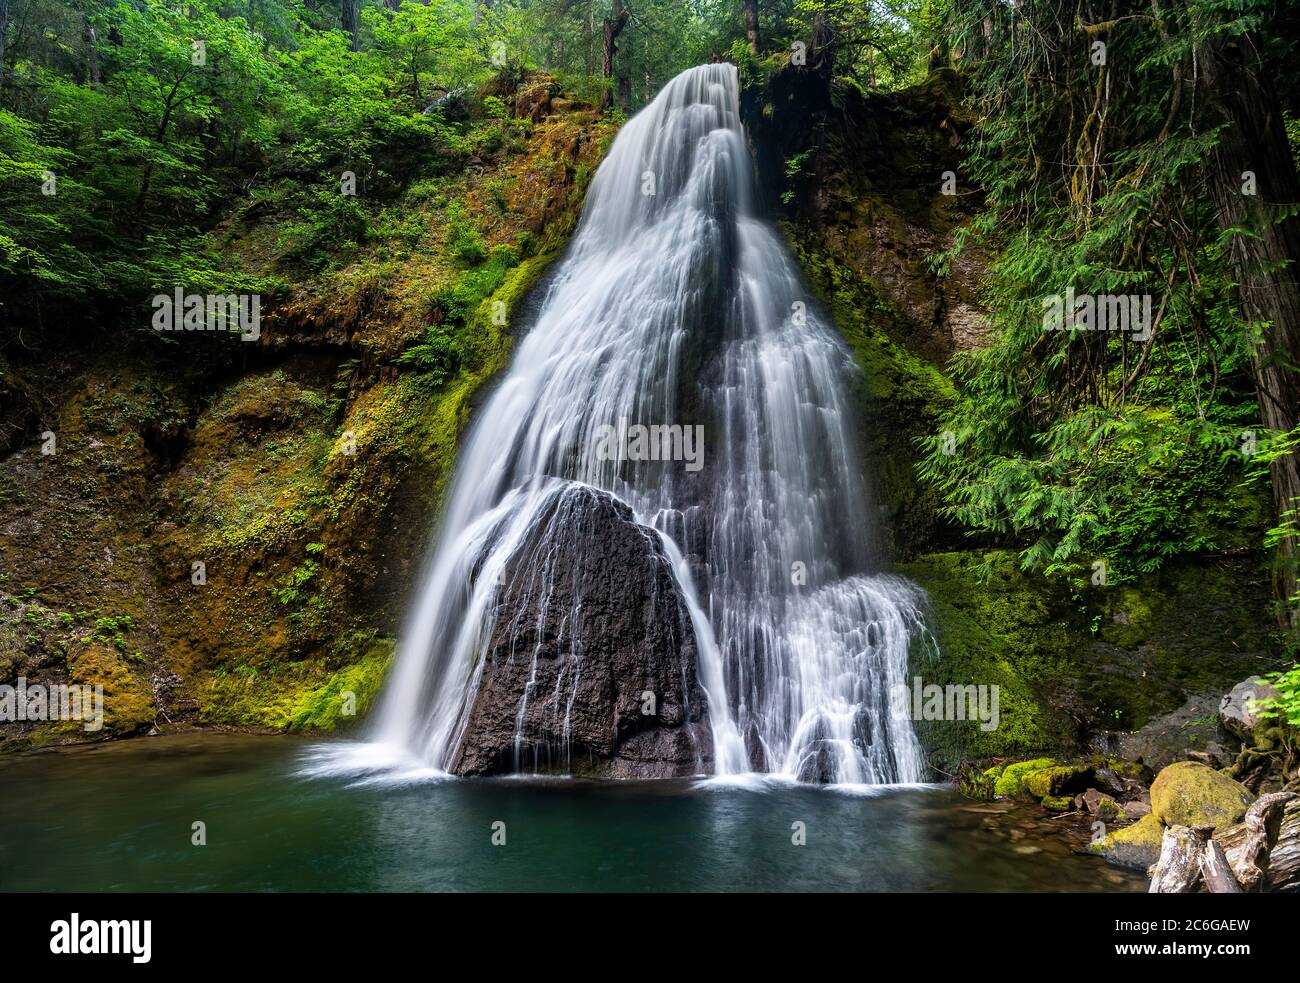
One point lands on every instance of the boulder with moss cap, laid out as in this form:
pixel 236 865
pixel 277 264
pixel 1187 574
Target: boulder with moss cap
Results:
pixel 1134 847
pixel 1189 793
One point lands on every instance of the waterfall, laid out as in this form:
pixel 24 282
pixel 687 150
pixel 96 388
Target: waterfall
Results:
pixel 676 304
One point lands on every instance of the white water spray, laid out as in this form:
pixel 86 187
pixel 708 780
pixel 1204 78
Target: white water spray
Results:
pixel 676 305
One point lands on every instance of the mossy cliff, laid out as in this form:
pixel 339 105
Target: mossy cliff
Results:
pixel 857 181
pixel 224 532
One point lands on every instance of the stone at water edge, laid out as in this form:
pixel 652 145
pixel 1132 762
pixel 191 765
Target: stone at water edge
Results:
pixel 1235 709
pixel 1134 847
pixel 1189 793
pixel 1057 781
pixel 1009 779
pixel 1101 805
pixel 1214 754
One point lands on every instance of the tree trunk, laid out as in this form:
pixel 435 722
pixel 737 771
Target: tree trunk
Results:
pixel 350 23
pixel 1265 263
pixel 821 52
pixel 613 27
pixel 751 25
pixel 92 55
pixel 4 29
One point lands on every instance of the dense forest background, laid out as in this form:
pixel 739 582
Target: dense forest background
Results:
pixel 153 115
pixel 1127 146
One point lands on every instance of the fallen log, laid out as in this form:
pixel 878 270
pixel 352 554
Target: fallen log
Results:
pixel 1264 849
pixel 1218 876
pixel 1178 871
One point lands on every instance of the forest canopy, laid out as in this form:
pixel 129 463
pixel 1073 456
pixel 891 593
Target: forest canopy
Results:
pixel 148 116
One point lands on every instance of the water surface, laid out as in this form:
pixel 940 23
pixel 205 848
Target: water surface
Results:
pixel 118 817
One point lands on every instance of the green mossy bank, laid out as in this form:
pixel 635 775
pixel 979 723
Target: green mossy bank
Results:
pixel 226 535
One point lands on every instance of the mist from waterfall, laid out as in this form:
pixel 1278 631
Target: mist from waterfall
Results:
pixel 676 304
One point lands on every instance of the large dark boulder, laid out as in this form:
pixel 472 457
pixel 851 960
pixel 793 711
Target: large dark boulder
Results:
pixel 590 633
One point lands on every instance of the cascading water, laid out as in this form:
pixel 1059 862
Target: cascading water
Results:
pixel 674 305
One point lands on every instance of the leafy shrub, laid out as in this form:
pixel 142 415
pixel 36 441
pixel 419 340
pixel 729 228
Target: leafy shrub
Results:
pixel 463 240
pixel 1286 705
pixel 438 355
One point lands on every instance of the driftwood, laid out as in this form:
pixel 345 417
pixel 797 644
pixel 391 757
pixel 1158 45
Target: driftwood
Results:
pixel 1178 871
pixel 1264 850
pixel 1219 877
pixel 1261 853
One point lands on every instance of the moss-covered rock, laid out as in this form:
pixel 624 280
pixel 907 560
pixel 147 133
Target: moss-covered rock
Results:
pixel 1192 794
pixel 1135 847
pixel 1057 781
pixel 1110 811
pixel 1069 661
pixel 1010 780
pixel 128 703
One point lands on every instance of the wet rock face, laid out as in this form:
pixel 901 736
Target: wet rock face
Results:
pixel 1239 710
pixel 590 668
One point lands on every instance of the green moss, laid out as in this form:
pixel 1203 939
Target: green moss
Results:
pixel 1110 811
pixel 1068 660
pixel 1056 781
pixel 1010 784
pixel 1136 846
pixel 346 696
pixel 1057 803
pixel 303 695
pixel 1188 793
pixel 975 784
pixel 128 700
pixel 1008 632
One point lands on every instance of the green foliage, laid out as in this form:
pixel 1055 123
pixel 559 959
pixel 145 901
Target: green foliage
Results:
pixel 876 43
pixel 112 630
pixel 793 167
pixel 329 226
pixel 122 141
pixel 296 590
pixel 1286 705
pixel 123 144
pixel 438 355
pixel 1081 444
pixel 463 239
